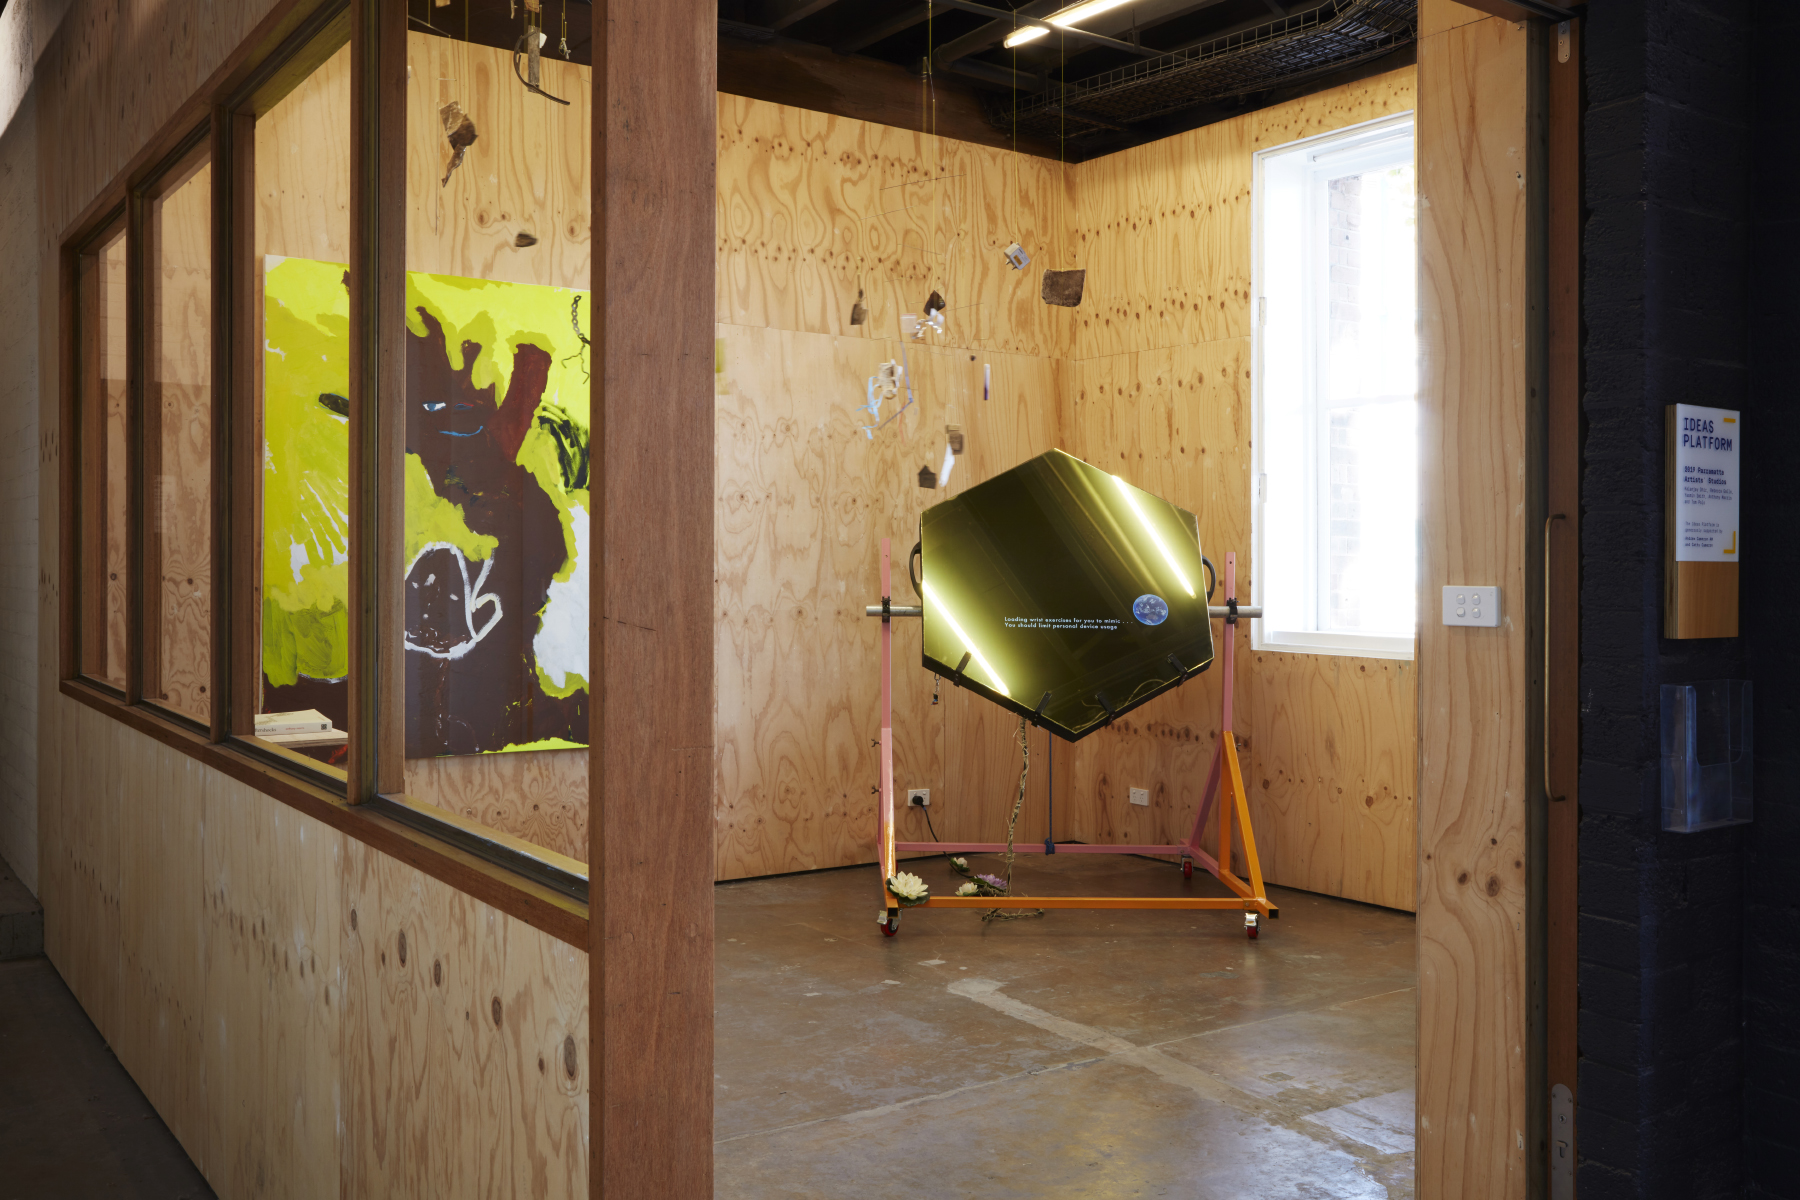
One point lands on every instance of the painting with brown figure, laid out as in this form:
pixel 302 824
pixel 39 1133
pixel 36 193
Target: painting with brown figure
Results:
pixel 496 498
pixel 471 673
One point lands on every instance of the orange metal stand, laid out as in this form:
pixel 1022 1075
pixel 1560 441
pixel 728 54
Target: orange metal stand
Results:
pixel 1224 786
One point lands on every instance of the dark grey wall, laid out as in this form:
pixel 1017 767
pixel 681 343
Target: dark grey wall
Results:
pixel 1771 917
pixel 1667 259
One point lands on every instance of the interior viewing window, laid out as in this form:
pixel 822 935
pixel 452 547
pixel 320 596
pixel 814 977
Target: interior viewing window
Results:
pixel 102 541
pixel 494 564
pixel 480 527
pixel 1336 381
pixel 301 301
pixel 178 442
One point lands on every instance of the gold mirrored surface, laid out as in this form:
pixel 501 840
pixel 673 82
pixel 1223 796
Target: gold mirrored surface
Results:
pixel 1063 593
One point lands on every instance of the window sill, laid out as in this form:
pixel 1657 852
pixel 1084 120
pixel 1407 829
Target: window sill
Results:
pixel 541 906
pixel 1344 645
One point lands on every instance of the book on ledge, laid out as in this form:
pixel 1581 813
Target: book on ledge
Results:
pixel 283 724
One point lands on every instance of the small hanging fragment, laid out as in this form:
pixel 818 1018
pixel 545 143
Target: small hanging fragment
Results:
pixel 927 477
pixel 953 448
pixel 1064 287
pixel 934 303
pixel 564 46
pixel 884 384
pixel 910 328
pixel 530 44
pixel 461 133
pixel 858 314
pixel 1015 254
pixel 987 379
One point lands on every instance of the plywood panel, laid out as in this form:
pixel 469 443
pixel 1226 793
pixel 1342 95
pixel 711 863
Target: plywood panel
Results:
pixel 814 208
pixel 1159 390
pixel 1164 229
pixel 1481 508
pixel 528 171
pixel 303 168
pixel 1331 774
pixel 470 1067
pixel 82 937
pixel 803 500
pixel 538 795
pixel 274 994
pixel 178 451
pixel 162 942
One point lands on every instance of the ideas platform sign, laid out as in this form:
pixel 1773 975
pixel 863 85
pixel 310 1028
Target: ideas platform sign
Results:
pixel 1705 444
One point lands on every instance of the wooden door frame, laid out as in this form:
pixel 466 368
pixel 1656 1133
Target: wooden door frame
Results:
pixel 1500 386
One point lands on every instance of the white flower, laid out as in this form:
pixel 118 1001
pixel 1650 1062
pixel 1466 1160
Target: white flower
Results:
pixel 961 864
pixel 908 886
pixel 967 889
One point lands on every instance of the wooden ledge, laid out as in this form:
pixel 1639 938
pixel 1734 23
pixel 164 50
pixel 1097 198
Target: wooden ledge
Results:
pixel 537 905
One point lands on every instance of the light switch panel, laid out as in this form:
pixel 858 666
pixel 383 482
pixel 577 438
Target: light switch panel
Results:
pixel 1466 605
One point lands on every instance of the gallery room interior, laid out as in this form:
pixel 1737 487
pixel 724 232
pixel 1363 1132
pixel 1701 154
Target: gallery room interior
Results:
pixel 804 598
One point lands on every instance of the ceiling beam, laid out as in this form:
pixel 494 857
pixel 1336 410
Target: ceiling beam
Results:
pixel 880 32
pixel 768 66
pixel 991 34
pixel 779 14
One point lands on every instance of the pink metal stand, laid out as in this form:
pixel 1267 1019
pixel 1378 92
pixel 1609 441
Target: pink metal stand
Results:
pixel 1223 779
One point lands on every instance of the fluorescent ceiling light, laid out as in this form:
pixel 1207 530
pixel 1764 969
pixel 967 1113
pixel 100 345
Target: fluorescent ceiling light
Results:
pixel 1075 14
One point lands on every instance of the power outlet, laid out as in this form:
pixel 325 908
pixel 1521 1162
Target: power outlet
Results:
pixel 1141 797
pixel 1466 605
pixel 918 797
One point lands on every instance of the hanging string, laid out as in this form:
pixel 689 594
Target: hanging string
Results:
pixel 1012 824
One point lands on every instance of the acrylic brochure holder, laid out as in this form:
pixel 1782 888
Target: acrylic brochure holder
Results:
pixel 1224 790
pixel 1706 755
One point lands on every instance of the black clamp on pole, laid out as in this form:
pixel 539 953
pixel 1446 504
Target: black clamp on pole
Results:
pixel 956 676
pixel 1231 610
pixel 886 609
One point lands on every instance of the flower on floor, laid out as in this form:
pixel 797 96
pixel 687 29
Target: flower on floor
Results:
pixel 993 881
pixel 967 889
pixel 908 889
pixel 960 865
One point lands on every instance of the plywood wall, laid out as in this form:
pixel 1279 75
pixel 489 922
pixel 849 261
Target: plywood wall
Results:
pixel 310 1017
pixel 814 209
pixel 1150 377
pixel 1158 389
pixel 526 173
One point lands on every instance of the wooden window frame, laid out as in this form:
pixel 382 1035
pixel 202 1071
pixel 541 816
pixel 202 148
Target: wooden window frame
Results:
pixel 546 890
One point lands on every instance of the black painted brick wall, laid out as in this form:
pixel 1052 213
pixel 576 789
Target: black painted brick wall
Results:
pixel 1771 582
pixel 1668 144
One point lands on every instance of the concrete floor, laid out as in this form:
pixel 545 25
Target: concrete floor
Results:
pixel 72 1123
pixel 1094 1054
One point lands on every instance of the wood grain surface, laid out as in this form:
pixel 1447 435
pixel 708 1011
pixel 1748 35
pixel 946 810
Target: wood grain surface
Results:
pixel 294 1048
pixel 527 173
pixel 651 618
pixel 1479 1129
pixel 178 551
pixel 1159 390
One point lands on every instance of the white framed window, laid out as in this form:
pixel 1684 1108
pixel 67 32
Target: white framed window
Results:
pixel 1336 460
